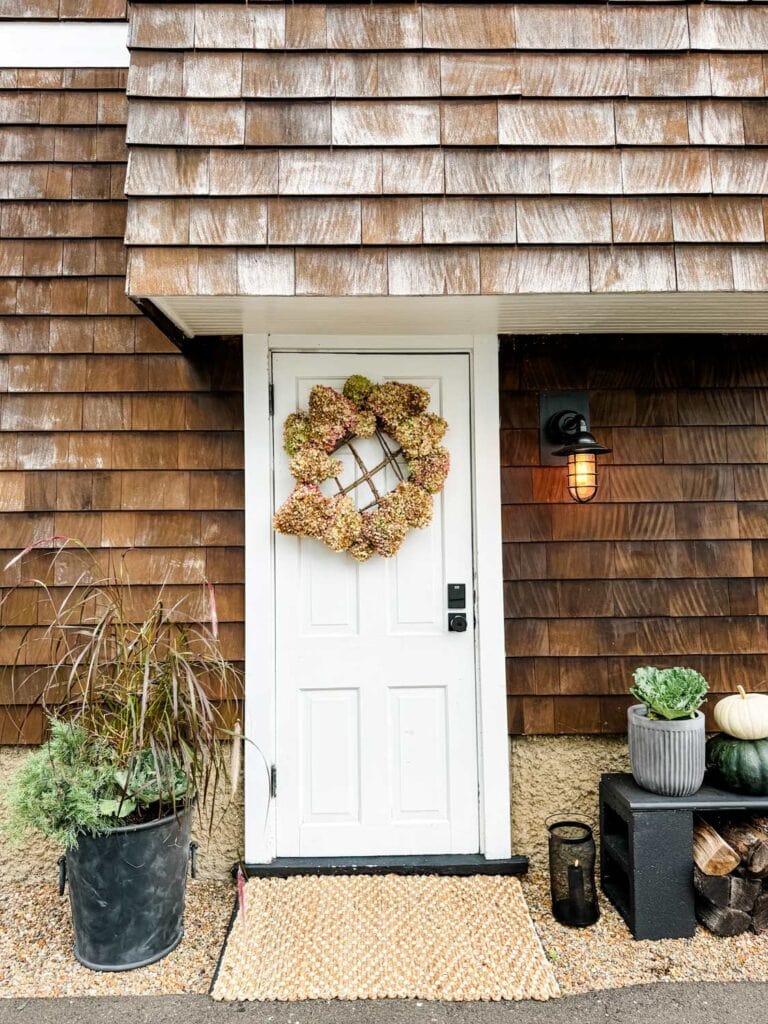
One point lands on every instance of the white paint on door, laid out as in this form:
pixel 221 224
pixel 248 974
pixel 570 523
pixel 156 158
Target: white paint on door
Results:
pixel 376 727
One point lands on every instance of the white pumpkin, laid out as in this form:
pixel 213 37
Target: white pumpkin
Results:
pixel 743 715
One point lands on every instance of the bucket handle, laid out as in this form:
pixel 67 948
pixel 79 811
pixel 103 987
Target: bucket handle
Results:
pixel 62 862
pixel 193 859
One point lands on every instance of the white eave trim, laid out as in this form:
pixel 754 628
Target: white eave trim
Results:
pixel 63 44
pixel 637 312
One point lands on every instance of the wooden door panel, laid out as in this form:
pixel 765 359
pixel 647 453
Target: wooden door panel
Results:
pixel 376 708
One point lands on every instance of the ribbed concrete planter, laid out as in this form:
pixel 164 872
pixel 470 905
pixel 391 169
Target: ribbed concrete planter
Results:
pixel 666 757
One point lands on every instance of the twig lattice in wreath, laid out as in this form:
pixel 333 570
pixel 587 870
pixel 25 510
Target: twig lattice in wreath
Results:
pixel 390 460
pixel 332 422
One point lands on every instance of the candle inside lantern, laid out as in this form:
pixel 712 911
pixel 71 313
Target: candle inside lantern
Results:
pixel 576 885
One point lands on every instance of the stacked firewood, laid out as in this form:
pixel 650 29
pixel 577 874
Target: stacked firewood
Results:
pixel 731 874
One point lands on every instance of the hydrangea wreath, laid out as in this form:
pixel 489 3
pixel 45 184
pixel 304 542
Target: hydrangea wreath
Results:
pixel 333 421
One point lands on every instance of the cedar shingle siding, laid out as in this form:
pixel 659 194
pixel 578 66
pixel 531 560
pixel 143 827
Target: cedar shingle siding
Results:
pixel 408 148
pixel 669 564
pixel 400 148
pixel 65 10
pixel 107 433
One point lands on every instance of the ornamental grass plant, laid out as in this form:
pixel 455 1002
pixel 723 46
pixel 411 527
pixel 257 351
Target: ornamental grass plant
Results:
pixel 132 698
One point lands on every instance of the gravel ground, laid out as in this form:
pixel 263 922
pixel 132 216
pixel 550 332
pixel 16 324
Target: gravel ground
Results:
pixel 36 947
pixel 607 957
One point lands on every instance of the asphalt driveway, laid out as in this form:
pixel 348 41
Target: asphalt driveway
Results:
pixel 647 1004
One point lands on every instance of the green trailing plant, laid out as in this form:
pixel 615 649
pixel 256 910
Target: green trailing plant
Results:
pixel 133 690
pixel 669 693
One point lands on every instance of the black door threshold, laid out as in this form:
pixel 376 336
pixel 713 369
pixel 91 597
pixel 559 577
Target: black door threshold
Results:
pixel 455 864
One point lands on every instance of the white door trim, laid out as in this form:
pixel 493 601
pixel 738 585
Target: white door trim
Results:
pixel 259 568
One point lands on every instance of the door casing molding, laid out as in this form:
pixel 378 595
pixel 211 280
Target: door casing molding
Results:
pixel 492 739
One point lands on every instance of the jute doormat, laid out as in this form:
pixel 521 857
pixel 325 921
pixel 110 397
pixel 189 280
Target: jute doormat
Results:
pixel 384 937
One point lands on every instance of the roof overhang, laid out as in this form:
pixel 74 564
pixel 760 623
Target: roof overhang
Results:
pixel 646 312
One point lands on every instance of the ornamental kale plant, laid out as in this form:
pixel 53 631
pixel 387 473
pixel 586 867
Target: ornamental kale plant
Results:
pixel 669 693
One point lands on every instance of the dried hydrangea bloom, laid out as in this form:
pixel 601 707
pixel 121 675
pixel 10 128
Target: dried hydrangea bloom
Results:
pixel 385 529
pixel 346 524
pixel 361 550
pixel 312 465
pixel 304 513
pixel 420 435
pixel 357 388
pixel 296 432
pixel 431 471
pixel 331 415
pixel 415 502
pixel 365 424
pixel 394 402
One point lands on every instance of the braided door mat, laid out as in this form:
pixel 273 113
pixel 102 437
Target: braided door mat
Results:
pixel 384 937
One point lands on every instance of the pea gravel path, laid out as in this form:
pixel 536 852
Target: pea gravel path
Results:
pixel 36 954
pixel 606 956
pixel 36 947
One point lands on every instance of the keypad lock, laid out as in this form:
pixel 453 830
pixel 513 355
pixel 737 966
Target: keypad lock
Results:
pixel 457 607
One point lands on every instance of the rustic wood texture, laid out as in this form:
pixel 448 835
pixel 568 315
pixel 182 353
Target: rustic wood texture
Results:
pixel 107 432
pixel 729 904
pixel 624 138
pixel 64 10
pixel 713 858
pixel 668 564
pixel 751 843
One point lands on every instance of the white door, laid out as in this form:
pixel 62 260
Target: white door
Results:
pixel 376 747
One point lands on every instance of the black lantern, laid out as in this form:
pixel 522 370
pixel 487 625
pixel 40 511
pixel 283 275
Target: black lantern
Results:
pixel 572 873
pixel 570 429
pixel 564 418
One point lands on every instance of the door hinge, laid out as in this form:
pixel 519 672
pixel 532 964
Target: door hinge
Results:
pixel 271 399
pixel 273 781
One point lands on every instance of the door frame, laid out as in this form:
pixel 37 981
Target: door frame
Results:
pixel 260 667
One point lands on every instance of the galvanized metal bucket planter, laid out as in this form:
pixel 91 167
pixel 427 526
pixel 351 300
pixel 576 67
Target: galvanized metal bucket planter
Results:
pixel 126 890
pixel 667 758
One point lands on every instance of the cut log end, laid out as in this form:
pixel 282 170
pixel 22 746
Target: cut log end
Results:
pixel 711 853
pixel 722 920
pixel 750 841
pixel 728 891
pixel 735 901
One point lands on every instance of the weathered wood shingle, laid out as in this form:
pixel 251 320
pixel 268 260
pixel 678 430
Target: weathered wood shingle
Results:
pixel 413 125
pixel 107 433
pixel 87 10
pixel 668 563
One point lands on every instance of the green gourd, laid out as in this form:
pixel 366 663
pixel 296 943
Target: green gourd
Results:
pixel 739 765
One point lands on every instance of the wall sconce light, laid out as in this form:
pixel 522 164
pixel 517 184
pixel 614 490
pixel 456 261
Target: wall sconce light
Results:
pixel 564 433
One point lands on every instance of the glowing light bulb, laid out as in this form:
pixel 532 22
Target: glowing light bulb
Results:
pixel 582 476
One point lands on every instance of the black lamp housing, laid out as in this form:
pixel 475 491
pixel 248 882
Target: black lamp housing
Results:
pixel 570 429
pixel 565 434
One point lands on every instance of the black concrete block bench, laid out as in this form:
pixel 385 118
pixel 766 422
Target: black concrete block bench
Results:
pixel 646 853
